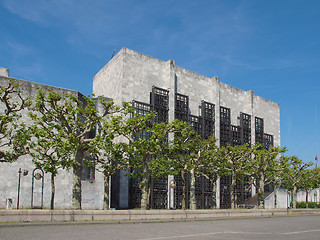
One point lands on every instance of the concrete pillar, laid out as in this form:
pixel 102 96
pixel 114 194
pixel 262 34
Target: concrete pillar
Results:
pixel 4 72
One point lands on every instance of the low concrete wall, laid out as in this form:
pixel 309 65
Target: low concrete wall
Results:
pixel 134 215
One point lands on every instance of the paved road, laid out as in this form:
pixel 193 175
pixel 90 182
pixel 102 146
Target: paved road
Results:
pixel 289 227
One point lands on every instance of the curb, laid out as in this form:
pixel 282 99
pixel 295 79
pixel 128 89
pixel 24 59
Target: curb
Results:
pixel 26 217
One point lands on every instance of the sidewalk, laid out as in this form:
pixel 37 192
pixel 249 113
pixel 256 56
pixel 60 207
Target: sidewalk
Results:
pixel 23 216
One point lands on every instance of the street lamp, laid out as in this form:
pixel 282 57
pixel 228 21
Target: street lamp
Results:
pixel 173 185
pixel 24 173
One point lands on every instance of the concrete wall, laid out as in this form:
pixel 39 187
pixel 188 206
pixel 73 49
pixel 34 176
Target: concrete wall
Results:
pixel 92 196
pixel 130 76
pixel 4 72
pixel 284 198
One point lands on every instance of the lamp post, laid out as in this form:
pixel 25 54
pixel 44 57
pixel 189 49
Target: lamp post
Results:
pixel 25 173
pixel 173 185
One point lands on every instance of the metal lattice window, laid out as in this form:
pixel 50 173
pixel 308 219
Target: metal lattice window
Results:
pixel 268 140
pixel 207 110
pixel 195 122
pixel 207 114
pixel 259 130
pixel 141 108
pixel 203 193
pixel 236 136
pixel 179 190
pixel 245 123
pixel 159 97
pixel 181 110
pixel 224 126
pixel 160 103
pixel 225 200
pixel 159 197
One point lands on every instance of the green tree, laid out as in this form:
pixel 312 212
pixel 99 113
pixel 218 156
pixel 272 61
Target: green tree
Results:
pixel 64 125
pixel 44 149
pixel 235 161
pixel 213 168
pixel 310 181
pixel 13 131
pixel 296 174
pixel 147 154
pixel 264 167
pixel 190 155
pixel 115 151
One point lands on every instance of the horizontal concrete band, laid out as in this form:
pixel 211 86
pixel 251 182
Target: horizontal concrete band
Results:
pixel 123 215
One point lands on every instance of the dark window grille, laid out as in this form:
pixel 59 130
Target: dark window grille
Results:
pixel 259 130
pixel 181 110
pixel 208 116
pixel 141 109
pixel 236 135
pixel 195 122
pixel 160 103
pixel 225 125
pixel 159 196
pixel 207 110
pixel 159 99
pixel 268 140
pixel 245 123
pixel 179 190
pixel 225 199
pixel 135 193
pixel 203 193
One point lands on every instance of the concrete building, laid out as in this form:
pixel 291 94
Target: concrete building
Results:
pixel 9 172
pixel 232 115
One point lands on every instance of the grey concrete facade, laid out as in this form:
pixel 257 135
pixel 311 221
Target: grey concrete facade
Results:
pixel 130 75
pixel 92 191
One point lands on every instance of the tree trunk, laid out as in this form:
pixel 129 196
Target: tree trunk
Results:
pixel 294 197
pixel 184 191
pixel 307 204
pixel 275 197
pixel 53 190
pixel 232 191
pixel 149 203
pixel 77 171
pixel 214 191
pixel 193 202
pixel 261 192
pixel 144 187
pixel 106 194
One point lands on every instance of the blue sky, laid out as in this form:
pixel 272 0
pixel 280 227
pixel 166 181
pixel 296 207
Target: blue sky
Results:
pixel 271 47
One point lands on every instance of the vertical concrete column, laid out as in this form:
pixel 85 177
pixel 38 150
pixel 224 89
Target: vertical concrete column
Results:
pixel 253 131
pixel 216 87
pixel 4 72
pixel 173 85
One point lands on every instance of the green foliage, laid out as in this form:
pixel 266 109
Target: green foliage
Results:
pixel 234 163
pixel 63 127
pixel 266 163
pixel 188 151
pixel 310 205
pixel 13 132
pixel 295 172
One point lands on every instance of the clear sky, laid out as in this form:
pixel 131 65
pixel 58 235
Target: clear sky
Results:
pixel 269 46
